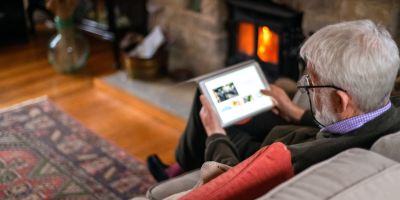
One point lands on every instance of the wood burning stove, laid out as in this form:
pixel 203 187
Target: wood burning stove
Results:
pixel 266 32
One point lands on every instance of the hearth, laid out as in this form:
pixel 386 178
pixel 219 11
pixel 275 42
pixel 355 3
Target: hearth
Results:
pixel 266 32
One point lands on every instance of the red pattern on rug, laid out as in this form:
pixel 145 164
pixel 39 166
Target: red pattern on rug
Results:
pixel 45 154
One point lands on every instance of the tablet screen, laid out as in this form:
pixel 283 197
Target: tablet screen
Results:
pixel 236 95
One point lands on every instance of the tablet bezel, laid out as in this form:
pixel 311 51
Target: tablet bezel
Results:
pixel 232 69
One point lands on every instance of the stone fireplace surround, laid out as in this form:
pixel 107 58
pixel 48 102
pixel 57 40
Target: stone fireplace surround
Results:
pixel 198 40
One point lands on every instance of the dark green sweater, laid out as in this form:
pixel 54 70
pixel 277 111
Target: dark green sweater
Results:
pixel 306 144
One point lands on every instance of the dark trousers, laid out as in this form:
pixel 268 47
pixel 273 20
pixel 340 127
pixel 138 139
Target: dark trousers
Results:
pixel 247 137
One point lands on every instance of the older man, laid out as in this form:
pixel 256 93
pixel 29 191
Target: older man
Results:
pixel 351 68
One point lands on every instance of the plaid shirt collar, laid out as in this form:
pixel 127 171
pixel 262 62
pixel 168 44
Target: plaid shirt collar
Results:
pixel 347 125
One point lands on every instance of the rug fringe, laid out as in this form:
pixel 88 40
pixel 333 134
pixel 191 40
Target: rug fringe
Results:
pixel 24 103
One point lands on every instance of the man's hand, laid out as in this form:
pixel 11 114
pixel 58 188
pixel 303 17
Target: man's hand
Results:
pixel 209 118
pixel 284 107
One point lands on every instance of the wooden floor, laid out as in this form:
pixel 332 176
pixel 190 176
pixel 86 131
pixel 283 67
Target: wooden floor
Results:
pixel 130 123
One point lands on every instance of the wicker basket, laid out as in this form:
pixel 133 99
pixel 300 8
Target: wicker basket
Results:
pixel 147 69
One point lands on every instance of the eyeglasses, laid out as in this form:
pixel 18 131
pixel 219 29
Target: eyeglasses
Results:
pixel 305 84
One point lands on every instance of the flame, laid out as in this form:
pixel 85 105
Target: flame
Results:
pixel 268 45
pixel 246 41
pixel 268 42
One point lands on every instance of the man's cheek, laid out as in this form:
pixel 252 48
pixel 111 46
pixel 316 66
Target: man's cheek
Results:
pixel 317 101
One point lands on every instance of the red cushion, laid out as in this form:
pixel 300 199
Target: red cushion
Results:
pixel 245 121
pixel 251 178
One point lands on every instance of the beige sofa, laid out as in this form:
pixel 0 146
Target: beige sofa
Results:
pixel 352 174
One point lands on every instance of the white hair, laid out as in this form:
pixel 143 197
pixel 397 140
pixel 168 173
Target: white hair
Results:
pixel 357 56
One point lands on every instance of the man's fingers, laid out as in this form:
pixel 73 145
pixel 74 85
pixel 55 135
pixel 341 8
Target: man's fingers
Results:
pixel 269 93
pixel 203 100
pixel 273 87
pixel 275 111
pixel 266 92
pixel 275 102
pixel 202 111
pixel 205 103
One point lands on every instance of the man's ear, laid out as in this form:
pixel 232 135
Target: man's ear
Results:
pixel 341 101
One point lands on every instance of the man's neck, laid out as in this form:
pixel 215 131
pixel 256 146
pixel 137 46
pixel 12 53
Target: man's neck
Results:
pixel 349 124
pixel 353 112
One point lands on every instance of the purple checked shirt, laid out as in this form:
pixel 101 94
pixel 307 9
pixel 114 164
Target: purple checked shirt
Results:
pixel 347 125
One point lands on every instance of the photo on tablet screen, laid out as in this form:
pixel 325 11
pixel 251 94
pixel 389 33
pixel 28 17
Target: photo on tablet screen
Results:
pixel 225 92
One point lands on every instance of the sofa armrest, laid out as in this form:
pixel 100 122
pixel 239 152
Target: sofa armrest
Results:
pixel 353 174
pixel 388 146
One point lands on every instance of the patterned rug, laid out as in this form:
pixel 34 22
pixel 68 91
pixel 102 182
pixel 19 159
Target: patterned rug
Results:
pixel 45 154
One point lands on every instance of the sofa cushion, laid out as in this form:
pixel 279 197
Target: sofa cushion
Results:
pixel 251 178
pixel 388 146
pixel 172 186
pixel 353 174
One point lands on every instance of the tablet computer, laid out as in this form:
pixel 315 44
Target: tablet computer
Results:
pixel 235 92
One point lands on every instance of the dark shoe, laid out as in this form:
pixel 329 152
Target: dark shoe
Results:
pixel 157 168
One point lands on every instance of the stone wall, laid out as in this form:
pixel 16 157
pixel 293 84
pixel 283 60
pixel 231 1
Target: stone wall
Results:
pixel 318 13
pixel 198 39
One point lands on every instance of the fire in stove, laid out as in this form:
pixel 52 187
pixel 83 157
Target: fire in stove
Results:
pixel 245 39
pixel 267 45
pixel 267 33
